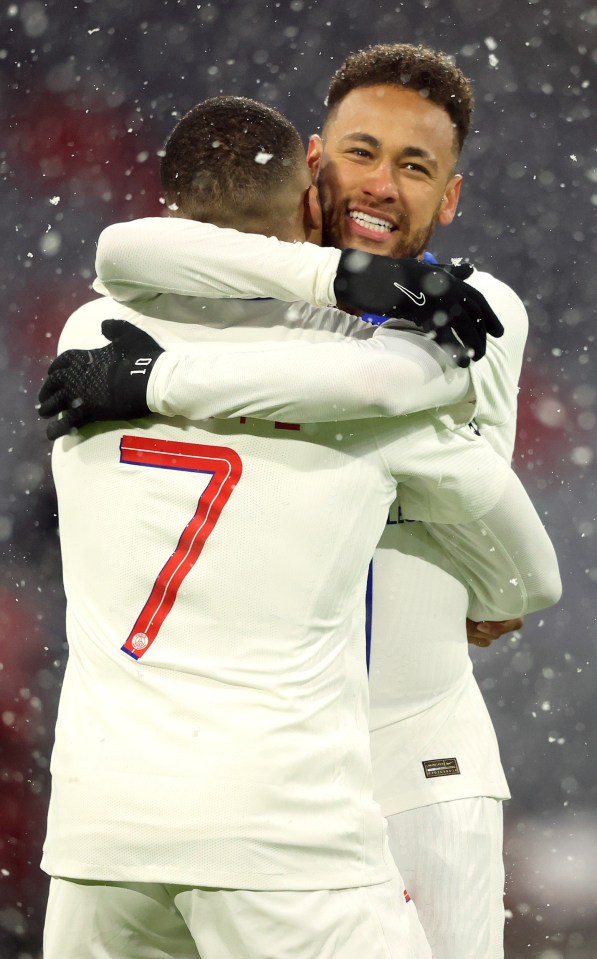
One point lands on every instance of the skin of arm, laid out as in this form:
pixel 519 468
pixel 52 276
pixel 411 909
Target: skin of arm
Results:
pixel 483 634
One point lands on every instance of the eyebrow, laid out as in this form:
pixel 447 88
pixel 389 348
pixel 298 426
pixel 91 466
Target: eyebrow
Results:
pixel 410 151
pixel 365 137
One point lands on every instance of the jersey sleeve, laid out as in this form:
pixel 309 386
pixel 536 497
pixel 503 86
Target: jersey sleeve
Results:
pixel 388 375
pixel 445 474
pixel 138 260
pixel 506 559
pixel 501 584
pixel 496 375
pixel 499 544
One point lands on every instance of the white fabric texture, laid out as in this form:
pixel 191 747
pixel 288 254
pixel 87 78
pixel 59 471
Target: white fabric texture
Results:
pixel 234 751
pixel 450 855
pixel 425 704
pixel 122 245
pixel 420 666
pixel 388 374
pixel 150 921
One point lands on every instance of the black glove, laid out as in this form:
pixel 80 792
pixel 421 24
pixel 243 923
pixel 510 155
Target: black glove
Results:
pixel 109 383
pixel 434 297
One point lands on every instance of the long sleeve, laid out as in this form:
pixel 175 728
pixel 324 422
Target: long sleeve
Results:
pixel 502 584
pixel 496 376
pixel 389 374
pixel 337 381
pixel 506 558
pixel 138 260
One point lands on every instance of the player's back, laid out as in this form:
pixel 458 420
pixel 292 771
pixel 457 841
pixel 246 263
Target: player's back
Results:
pixel 212 727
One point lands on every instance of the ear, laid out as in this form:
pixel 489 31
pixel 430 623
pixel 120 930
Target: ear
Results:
pixel 314 151
pixel 449 203
pixel 312 217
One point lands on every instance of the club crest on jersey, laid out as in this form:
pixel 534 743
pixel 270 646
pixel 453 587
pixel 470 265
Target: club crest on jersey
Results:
pixel 441 767
pixel 140 641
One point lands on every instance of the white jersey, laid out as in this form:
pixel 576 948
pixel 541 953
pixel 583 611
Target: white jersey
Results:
pixel 432 737
pixel 212 727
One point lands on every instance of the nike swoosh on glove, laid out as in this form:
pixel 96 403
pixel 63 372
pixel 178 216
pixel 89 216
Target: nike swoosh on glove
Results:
pixel 436 298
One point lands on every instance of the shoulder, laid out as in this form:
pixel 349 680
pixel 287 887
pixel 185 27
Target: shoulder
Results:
pixel 497 374
pixel 82 330
pixel 503 300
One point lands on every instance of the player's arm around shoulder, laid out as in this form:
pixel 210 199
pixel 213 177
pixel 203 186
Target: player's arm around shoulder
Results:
pixel 388 375
pixel 140 259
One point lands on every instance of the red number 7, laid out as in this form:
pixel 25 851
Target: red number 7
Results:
pixel 226 467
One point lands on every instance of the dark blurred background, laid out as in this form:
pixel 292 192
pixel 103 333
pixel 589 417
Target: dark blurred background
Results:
pixel 89 91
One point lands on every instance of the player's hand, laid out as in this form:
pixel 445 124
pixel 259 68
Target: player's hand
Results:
pixel 485 633
pixel 109 383
pixel 434 297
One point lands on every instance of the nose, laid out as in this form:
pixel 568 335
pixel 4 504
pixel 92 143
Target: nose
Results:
pixel 380 182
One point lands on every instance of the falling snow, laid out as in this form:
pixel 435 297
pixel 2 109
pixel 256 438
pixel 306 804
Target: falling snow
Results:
pixel 90 92
pixel 263 158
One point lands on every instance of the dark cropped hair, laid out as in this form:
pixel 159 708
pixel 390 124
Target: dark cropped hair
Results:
pixel 416 67
pixel 228 160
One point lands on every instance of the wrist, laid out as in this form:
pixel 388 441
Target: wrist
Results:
pixel 158 383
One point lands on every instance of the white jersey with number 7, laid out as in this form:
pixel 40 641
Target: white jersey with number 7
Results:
pixel 212 727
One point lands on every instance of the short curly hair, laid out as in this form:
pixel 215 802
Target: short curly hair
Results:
pixel 414 67
pixel 229 160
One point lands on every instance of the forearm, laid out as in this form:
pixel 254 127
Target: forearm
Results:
pixel 506 559
pixel 390 374
pixel 142 258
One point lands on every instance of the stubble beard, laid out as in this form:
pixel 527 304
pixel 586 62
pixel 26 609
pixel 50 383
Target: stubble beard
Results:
pixel 405 244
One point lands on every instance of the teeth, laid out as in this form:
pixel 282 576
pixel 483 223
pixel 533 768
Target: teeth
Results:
pixel 371 222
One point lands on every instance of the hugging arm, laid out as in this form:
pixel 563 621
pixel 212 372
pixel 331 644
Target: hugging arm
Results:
pixel 137 261
pixel 478 513
pixel 387 375
pixel 506 558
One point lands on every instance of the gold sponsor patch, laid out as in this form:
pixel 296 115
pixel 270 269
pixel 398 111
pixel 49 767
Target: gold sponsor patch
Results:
pixel 440 767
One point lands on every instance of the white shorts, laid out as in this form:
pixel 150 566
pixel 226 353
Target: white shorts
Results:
pixel 450 855
pixel 93 920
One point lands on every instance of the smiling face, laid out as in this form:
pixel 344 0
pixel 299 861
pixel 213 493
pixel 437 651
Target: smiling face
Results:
pixel 384 170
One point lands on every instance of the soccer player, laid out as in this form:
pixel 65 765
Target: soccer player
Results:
pixel 211 782
pixel 385 164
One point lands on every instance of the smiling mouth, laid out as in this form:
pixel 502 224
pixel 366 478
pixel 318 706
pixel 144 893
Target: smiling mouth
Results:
pixel 373 223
